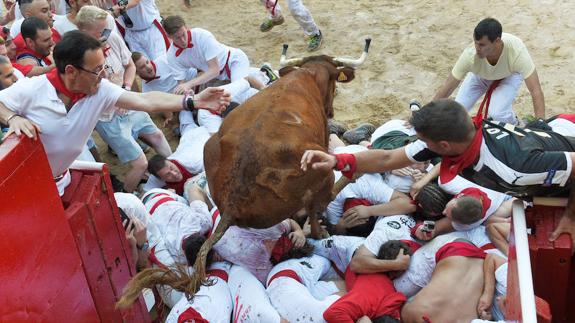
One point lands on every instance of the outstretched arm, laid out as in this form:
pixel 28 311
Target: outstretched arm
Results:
pixel 447 88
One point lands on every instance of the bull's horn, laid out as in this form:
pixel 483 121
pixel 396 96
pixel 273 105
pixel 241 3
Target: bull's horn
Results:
pixel 354 62
pixel 288 62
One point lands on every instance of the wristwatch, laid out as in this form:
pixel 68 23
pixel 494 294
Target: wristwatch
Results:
pixel 144 247
pixel 188 102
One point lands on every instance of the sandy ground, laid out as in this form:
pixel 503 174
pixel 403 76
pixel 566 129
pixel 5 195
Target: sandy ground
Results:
pixel 414 46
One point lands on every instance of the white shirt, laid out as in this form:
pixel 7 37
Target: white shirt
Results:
pixel 132 206
pixel 369 186
pixel 213 303
pixel 143 15
pixel 64 134
pixel 64 25
pixel 60 8
pixel 563 127
pixel 17 25
pixel 251 248
pixel 205 47
pixel 117 57
pixel 394 227
pixel 166 81
pixel 392 125
pixel 190 154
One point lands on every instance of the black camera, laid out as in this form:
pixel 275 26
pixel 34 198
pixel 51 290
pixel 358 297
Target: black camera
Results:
pixel 127 21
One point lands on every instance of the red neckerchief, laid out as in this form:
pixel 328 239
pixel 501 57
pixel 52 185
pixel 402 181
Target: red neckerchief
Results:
pixel 281 248
pixel 54 77
pixel 179 49
pixel 25 69
pixel 105 50
pixel 148 80
pixel 179 186
pixel 452 165
pixel 478 195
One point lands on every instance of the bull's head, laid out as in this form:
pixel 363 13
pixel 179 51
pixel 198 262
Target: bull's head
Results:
pixel 327 71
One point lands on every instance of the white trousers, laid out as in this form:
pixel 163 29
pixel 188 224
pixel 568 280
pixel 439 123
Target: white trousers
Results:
pixel 298 11
pixel 149 42
pixel 500 108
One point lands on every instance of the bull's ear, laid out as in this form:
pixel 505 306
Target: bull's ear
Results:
pixel 345 74
pixel 288 69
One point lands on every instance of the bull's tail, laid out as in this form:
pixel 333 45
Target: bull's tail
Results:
pixel 199 277
pixel 176 277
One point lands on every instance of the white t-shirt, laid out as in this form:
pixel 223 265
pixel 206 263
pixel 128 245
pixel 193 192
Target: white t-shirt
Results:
pixel 17 25
pixel 117 57
pixel 394 227
pixel 205 47
pixel 369 186
pixel 213 303
pixel 190 154
pixel 64 25
pixel 563 127
pixel 251 248
pixel 143 14
pixel 132 205
pixel 64 134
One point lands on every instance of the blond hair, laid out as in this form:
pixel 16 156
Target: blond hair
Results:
pixel 89 15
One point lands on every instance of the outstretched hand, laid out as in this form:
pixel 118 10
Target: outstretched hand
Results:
pixel 213 98
pixel 318 160
pixel 566 225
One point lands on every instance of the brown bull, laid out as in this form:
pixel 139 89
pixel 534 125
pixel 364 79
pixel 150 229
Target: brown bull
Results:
pixel 253 162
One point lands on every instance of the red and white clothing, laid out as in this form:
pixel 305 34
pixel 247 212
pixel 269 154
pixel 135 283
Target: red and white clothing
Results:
pixel 338 249
pixel 564 125
pixel 147 36
pixel 189 157
pixel 296 291
pixel 202 47
pixel 371 295
pixel 251 248
pixel 175 220
pixel 298 11
pixel 424 260
pixel 370 187
pixel 394 227
pixel 459 184
pixel 249 297
pixel 59 126
pixel 349 149
pixel 211 304
pixel 133 206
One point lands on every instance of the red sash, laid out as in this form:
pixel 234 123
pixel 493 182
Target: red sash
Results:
pixel 285 273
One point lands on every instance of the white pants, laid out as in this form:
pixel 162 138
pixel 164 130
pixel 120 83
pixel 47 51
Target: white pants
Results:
pixel 149 42
pixel 250 300
pixel 500 109
pixel 295 303
pixel 299 12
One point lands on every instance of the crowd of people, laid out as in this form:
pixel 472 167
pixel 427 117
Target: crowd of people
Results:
pixel 421 233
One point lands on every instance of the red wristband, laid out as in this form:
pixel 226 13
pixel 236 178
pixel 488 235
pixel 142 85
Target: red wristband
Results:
pixel 346 163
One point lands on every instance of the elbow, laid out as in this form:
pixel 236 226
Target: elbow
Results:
pixel 355 265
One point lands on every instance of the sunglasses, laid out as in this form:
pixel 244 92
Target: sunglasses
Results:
pixel 104 35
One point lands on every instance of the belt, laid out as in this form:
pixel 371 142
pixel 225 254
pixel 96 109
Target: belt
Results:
pixel 285 273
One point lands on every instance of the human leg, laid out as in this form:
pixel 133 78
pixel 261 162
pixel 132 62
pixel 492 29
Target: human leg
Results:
pixel 470 90
pixel 274 17
pixel 500 107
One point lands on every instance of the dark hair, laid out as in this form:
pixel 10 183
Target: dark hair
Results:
pixel 385 319
pixel 136 56
pixel 364 229
pixel 72 48
pixel 467 210
pixel 156 163
pixel 30 27
pixel 488 27
pixel 23 3
pixel 171 24
pixel 191 246
pixel 432 200
pixel 305 251
pixel 392 248
pixel 443 120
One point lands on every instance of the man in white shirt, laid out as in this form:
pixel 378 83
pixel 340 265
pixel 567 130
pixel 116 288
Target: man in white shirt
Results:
pixel 494 56
pixel 75 96
pixel 146 35
pixel 119 127
pixel 68 22
pixel 198 48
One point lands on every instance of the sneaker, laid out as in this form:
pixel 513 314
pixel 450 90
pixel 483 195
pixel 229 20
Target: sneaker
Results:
pixel 359 134
pixel 272 76
pixel 336 128
pixel 314 42
pixel 414 105
pixel 268 24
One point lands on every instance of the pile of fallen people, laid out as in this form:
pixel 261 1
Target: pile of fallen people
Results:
pixel 420 235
